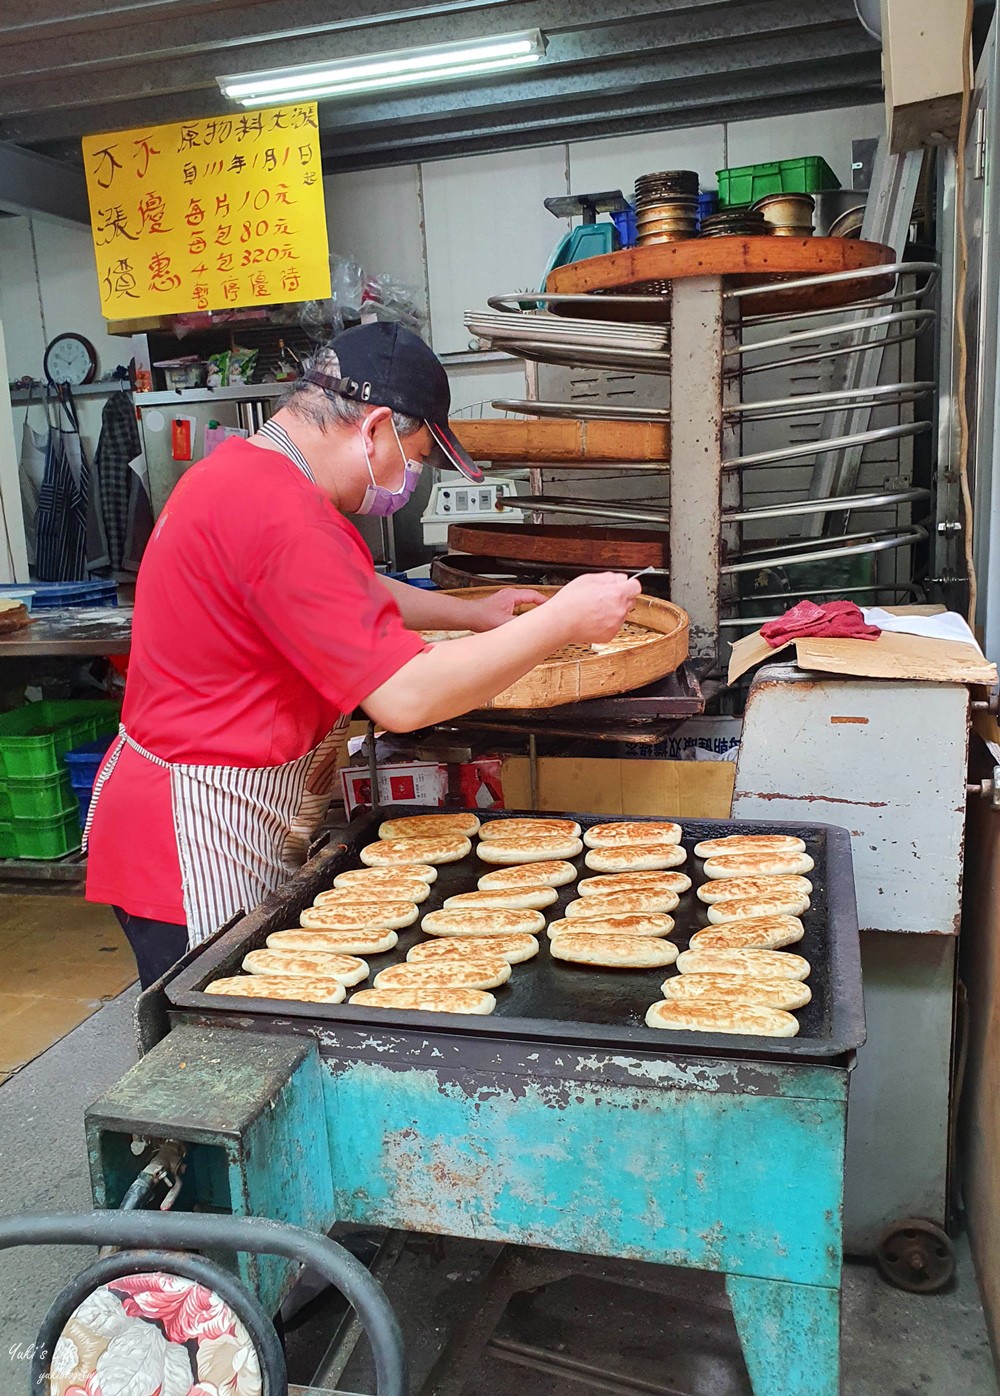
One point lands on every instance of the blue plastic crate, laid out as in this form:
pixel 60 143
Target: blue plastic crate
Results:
pixel 84 762
pixel 84 803
pixel 47 596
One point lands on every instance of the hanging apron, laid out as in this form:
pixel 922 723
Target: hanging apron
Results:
pixel 241 832
pixel 32 474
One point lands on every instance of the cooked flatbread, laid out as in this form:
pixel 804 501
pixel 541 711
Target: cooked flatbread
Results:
pixel 379 877
pixel 513 948
pixel 636 857
pixel 644 831
pixel 743 908
pixel 372 942
pixel 483 922
pixel 505 898
pixel 622 904
pixel 547 874
pixel 786 993
pixel 446 848
pixel 395 889
pixel 613 951
pixel 708 1015
pixel 749 843
pixel 429 826
pixel 279 986
pixel 427 1000
pixel 727 889
pixel 756 933
pixel 437 637
pixel 529 848
pixel 610 884
pixel 649 923
pixel 756 864
pixel 763 964
pixel 462 972
pixel 303 964
pixel 391 916
pixel 507 829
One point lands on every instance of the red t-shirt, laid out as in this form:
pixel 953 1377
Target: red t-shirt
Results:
pixel 259 620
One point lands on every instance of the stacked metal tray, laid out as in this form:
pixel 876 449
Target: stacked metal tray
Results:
pixel 546 1000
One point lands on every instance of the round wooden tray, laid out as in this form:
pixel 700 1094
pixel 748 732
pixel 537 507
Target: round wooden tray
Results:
pixel 566 442
pixel 577 672
pixel 583 545
pixel 743 261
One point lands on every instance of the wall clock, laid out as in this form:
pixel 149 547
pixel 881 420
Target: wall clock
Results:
pixel 70 358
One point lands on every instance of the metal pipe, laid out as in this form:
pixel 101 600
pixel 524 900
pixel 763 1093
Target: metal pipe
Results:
pixel 841 504
pixel 797 360
pixel 878 303
pixel 879 545
pixel 836 443
pixel 545 504
pixel 804 404
pixel 520 300
pixel 833 278
pixel 593 412
pixel 258 1235
pixel 580 356
pixel 898 317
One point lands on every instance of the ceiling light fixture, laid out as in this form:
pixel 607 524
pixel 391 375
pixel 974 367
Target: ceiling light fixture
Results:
pixel 382 71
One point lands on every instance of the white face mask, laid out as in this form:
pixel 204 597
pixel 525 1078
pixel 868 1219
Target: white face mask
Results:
pixel 378 499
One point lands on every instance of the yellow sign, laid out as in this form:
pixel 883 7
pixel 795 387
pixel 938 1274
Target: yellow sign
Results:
pixel 210 214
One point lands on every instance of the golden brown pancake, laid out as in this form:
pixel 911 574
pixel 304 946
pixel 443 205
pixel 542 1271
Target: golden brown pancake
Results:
pixel 445 848
pixel 529 848
pixel 788 994
pixel 427 1000
pixel 546 874
pixel 749 843
pixel 756 933
pixel 622 904
pixel 367 877
pixel 513 948
pixel 277 986
pixel 765 964
pixel 504 899
pixel 636 857
pixel 507 829
pixel 613 951
pixel 743 908
pixel 373 942
pixel 757 864
pixel 462 972
pixel 645 831
pixel 726 889
pixel 648 923
pixel 302 964
pixel 423 826
pixel 391 916
pixel 484 922
pixel 399 889
pixel 610 884
pixel 707 1015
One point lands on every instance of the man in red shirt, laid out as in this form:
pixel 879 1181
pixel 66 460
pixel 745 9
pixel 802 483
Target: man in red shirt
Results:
pixel 261 625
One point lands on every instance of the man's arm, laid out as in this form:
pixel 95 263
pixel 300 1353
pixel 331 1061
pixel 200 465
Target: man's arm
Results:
pixel 436 610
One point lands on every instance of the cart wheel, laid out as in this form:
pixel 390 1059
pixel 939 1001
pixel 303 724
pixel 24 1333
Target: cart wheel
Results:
pixel 917 1256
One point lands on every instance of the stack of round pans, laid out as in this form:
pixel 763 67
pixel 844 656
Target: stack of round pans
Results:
pixel 789 215
pixel 736 222
pixel 666 206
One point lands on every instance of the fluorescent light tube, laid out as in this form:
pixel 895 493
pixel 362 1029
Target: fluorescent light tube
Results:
pixel 382 71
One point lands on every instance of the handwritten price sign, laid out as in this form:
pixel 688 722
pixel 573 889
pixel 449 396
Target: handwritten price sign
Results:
pixel 210 214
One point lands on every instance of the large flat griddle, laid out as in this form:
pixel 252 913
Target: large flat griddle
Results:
pixel 549 1001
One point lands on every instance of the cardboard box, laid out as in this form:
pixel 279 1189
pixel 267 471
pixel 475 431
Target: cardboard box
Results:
pixel 686 789
pixel 407 783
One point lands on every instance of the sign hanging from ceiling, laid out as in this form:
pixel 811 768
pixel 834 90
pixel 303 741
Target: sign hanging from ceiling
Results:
pixel 211 214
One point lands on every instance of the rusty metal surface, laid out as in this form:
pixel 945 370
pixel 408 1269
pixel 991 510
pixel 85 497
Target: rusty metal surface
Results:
pixel 550 1002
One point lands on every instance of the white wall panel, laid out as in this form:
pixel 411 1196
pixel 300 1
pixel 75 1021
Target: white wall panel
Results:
pixel 615 163
pixel 487 231
pixel 475 383
pixel 826 133
pixel 373 217
pixel 19 307
pixel 70 293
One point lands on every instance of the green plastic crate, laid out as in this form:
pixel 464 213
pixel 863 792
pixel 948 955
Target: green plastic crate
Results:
pixel 35 738
pixel 48 838
pixel 745 184
pixel 36 797
pixel 8 845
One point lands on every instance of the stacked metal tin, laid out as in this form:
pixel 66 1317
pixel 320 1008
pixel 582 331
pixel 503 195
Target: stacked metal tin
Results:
pixel 666 206
pixel 789 215
pixel 741 222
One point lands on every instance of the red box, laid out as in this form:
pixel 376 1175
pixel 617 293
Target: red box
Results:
pixel 480 783
pixel 405 783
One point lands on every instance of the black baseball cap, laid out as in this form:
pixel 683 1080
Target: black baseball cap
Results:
pixel 389 366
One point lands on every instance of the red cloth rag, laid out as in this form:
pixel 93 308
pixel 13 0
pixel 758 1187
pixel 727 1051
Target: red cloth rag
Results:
pixel 836 620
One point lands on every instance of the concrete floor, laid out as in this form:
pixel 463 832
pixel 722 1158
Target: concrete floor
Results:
pixel 893 1344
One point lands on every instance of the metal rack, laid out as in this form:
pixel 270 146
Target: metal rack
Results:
pixel 701 332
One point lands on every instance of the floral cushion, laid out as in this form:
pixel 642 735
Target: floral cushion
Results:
pixel 154 1335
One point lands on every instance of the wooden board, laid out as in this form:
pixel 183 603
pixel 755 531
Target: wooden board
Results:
pixel 577 672
pixel 583 546
pixel 744 261
pixel 531 439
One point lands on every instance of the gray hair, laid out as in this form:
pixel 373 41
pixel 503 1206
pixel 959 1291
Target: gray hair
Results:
pixel 324 410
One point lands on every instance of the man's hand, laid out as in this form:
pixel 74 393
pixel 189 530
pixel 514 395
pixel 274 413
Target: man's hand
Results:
pixel 596 604
pixel 490 611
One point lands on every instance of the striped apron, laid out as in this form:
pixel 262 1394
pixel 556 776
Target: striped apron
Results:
pixel 241 831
